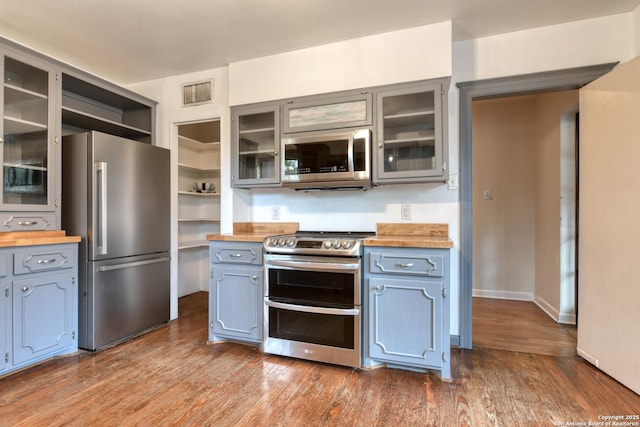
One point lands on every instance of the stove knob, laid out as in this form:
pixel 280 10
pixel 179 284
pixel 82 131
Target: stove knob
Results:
pixel 291 242
pixel 336 244
pixel 281 241
pixel 348 244
pixel 327 244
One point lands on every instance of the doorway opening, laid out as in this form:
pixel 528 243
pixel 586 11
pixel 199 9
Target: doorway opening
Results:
pixel 569 79
pixel 523 181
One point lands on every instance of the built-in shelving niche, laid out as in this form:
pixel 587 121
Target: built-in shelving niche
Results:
pixel 198 206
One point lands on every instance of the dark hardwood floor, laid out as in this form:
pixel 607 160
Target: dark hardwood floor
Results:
pixel 520 326
pixel 172 376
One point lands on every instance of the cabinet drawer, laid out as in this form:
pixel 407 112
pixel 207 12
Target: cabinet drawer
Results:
pixel 28 222
pixel 236 254
pixel 42 260
pixel 418 265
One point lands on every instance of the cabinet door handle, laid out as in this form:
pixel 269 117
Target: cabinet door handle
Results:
pixel 46 261
pixel 404 265
pixel 27 222
pixel 236 255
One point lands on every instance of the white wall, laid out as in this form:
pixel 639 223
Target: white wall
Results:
pixel 170 112
pixel 504 163
pixel 575 44
pixel 553 292
pixel 405 55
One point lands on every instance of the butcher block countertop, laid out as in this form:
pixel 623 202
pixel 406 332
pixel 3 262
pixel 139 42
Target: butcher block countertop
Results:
pixel 255 231
pixel 411 236
pixel 391 235
pixel 32 238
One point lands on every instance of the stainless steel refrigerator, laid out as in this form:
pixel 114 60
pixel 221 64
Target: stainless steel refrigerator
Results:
pixel 116 196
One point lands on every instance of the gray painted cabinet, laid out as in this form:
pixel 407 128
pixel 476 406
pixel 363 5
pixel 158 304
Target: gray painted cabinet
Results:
pixel 235 291
pixel 255 148
pixel 40 100
pixel 29 150
pixel 407 308
pixel 408 120
pixel 40 307
pixel 410 144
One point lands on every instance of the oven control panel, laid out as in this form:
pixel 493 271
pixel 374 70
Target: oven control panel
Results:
pixel 328 246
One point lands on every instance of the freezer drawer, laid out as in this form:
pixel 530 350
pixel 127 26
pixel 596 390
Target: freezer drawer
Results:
pixel 124 297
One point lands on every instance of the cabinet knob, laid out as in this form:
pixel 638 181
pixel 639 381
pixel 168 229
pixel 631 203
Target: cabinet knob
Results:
pixel 254 277
pixel 377 288
pixel 25 288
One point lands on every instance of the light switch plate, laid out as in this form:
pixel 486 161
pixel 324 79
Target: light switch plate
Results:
pixel 453 182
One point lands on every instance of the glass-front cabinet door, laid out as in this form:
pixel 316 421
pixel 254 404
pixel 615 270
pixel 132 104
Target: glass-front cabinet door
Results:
pixel 256 144
pixel 27 134
pixel 409 142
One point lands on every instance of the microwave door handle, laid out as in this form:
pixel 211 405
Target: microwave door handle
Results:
pixel 350 153
pixel 312 309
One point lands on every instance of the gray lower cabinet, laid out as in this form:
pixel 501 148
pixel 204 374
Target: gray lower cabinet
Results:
pixel 407 308
pixel 40 309
pixel 235 291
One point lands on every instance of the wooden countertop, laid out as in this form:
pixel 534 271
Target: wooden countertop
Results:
pixel 387 234
pixel 411 236
pixel 31 238
pixel 255 231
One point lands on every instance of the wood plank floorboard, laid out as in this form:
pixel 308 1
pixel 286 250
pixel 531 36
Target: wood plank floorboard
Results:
pixel 171 376
pixel 520 326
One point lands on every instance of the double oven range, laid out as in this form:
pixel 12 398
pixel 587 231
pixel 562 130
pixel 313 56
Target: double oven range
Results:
pixel 312 303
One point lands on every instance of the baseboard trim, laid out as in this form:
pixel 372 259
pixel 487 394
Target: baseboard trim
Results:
pixel 558 317
pixel 589 358
pixel 495 294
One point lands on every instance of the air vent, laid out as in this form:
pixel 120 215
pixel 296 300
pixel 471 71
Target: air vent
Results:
pixel 197 93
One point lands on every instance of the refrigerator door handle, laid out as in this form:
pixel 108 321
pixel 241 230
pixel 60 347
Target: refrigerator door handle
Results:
pixel 133 264
pixel 101 183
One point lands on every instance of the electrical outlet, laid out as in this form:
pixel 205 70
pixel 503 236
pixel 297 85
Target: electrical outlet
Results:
pixel 405 212
pixel 275 212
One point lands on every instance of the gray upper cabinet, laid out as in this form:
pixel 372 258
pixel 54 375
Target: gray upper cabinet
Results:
pixel 29 153
pixel 42 99
pixel 256 146
pixel 327 112
pixel 410 144
pixel 89 104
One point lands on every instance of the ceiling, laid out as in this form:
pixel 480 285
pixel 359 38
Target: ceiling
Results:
pixel 127 41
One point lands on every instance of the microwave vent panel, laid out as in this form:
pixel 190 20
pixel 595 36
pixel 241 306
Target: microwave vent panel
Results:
pixel 197 93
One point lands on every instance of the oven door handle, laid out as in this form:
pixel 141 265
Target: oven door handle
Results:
pixel 311 309
pixel 314 266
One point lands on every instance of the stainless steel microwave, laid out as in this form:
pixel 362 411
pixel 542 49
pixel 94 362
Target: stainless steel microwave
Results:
pixel 338 159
